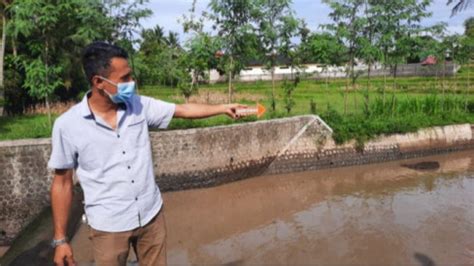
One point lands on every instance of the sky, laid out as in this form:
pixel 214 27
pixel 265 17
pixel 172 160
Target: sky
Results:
pixel 167 12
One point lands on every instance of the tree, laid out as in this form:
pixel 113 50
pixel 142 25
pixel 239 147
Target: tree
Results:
pixel 172 40
pixel 469 27
pixel 52 35
pixel 399 20
pixel 324 48
pixel 159 58
pixel 152 57
pixel 123 21
pixel 151 37
pixel 233 22
pixel 463 53
pixel 43 73
pixel 4 5
pixel 2 47
pixel 459 5
pixel 368 48
pixel 348 27
pixel 123 18
pixel 288 88
pixel 199 55
pixel 422 46
pixel 276 25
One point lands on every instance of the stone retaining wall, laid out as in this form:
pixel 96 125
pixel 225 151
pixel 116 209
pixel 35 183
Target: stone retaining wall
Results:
pixel 211 156
pixel 425 142
pixel 24 184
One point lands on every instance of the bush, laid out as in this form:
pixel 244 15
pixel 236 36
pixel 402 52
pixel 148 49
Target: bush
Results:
pixel 398 116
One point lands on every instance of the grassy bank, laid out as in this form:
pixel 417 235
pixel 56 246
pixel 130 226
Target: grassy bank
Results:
pixel 361 112
pixel 24 127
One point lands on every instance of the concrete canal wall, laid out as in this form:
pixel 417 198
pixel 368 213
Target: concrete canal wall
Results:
pixel 211 156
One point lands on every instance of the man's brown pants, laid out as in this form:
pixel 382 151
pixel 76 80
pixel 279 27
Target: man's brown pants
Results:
pixel 149 243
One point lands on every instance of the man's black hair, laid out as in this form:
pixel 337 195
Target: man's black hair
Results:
pixel 96 58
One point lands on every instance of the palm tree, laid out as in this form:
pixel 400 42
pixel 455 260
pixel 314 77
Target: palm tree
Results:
pixel 172 40
pixel 151 38
pixel 459 5
pixel 155 34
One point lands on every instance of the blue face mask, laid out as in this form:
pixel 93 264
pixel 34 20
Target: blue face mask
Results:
pixel 125 91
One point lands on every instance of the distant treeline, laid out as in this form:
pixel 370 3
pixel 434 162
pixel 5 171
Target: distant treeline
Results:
pixel 42 41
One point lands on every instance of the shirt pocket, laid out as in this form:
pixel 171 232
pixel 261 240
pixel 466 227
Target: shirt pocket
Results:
pixel 89 158
pixel 138 133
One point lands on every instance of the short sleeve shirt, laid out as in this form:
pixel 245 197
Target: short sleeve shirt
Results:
pixel 114 167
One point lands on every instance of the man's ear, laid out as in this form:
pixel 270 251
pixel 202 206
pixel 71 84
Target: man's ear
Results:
pixel 97 82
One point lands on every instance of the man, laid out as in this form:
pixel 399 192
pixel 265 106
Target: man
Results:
pixel 105 139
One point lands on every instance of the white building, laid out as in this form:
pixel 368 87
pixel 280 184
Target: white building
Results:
pixel 315 71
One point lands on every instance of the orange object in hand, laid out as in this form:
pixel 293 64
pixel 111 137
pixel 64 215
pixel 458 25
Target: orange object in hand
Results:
pixel 259 110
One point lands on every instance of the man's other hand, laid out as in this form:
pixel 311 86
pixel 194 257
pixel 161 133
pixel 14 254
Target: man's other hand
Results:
pixel 63 255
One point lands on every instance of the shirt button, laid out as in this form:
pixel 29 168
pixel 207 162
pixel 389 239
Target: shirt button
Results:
pixel 118 135
pixel 123 152
pixel 128 167
pixel 133 181
pixel 136 198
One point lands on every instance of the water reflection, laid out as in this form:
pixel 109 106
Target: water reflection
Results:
pixel 383 214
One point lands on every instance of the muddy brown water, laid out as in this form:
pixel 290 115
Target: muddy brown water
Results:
pixel 383 214
pixel 393 213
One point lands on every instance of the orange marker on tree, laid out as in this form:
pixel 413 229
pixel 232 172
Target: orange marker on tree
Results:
pixel 259 110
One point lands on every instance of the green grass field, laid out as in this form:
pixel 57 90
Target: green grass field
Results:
pixel 414 103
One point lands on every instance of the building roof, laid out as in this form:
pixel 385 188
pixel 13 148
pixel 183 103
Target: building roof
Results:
pixel 429 60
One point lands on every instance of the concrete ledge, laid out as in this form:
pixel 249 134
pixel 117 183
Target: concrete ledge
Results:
pixel 25 142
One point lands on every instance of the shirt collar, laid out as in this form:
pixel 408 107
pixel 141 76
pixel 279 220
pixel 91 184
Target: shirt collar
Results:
pixel 84 105
pixel 86 111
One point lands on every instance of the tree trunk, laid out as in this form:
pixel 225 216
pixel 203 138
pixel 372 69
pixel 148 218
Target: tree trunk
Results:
pixel 327 86
pixel 291 72
pixel 345 96
pixel 2 53
pixel 368 77
pixel 384 86
pixel 273 86
pixel 394 102
pixel 229 76
pixel 468 88
pixel 352 73
pixel 50 122
pixel 356 105
pixel 15 53
pixel 395 68
pixel 327 79
pixel 368 91
pixel 444 84
pixel 352 76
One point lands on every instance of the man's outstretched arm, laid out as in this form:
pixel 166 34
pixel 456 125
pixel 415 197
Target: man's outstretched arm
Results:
pixel 194 110
pixel 61 198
